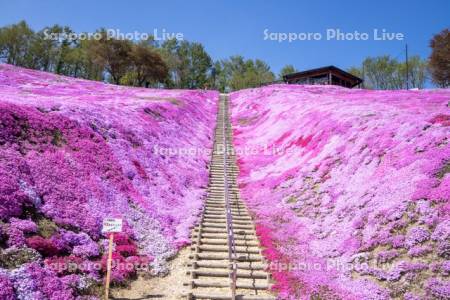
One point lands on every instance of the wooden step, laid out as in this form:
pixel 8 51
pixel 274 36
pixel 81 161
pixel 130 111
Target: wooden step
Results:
pixel 224 284
pixel 224 221
pixel 218 225
pixel 225 242
pixel 225 265
pixel 220 236
pixel 239 249
pixel 210 257
pixel 235 231
pixel 222 216
pixel 195 296
pixel 226 273
pixel 234 212
pixel 219 256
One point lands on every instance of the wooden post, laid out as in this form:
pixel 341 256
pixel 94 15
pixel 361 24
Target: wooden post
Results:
pixel 109 263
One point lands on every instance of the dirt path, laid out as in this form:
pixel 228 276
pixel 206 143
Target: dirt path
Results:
pixel 167 288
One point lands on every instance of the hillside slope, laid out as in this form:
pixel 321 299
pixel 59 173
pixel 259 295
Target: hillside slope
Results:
pixel 349 189
pixel 73 152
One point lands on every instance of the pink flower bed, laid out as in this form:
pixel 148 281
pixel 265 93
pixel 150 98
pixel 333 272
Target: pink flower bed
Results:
pixel 73 152
pixel 349 189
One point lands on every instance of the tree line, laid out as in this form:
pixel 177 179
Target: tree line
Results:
pixel 385 72
pixel 187 65
pixel 170 64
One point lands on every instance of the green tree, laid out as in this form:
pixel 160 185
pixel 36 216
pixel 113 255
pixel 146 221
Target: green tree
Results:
pixel 287 69
pixel 199 64
pixel 188 63
pixel 257 73
pixel 64 57
pixel 237 73
pixel 43 50
pixel 168 52
pixel 417 72
pixel 356 71
pixel 440 58
pixel 380 72
pixel 384 72
pixel 84 59
pixel 112 54
pixel 15 41
pixel 148 66
pixel 222 76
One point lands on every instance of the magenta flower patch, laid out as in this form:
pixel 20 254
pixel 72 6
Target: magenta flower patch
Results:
pixel 73 152
pixel 349 187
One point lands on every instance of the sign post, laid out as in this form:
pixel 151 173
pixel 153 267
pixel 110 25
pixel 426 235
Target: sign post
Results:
pixel 111 226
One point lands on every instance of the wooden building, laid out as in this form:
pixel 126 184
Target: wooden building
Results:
pixel 325 75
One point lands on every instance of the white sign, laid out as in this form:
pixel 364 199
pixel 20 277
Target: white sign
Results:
pixel 112 225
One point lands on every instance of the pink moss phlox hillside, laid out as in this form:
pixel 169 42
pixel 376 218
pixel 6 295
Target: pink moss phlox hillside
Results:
pixel 46 247
pixel 349 188
pixel 33 281
pixel 125 256
pixel 73 152
pixel 17 230
pixel 6 286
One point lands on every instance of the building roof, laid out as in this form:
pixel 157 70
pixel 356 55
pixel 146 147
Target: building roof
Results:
pixel 324 70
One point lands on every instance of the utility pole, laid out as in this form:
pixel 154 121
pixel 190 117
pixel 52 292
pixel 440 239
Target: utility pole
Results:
pixel 407 68
pixel 363 74
pixel 213 75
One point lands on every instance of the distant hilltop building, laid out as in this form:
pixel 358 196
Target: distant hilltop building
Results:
pixel 325 75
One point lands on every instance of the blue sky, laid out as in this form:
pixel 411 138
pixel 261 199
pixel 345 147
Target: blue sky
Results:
pixel 237 27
